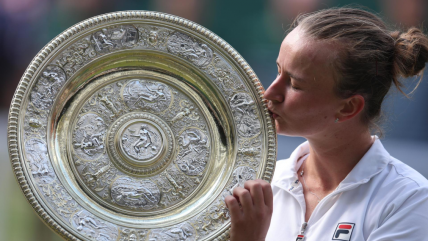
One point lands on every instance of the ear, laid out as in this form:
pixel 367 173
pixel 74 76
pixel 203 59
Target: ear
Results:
pixel 351 107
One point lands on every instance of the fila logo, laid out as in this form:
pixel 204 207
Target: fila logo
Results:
pixel 300 237
pixel 343 231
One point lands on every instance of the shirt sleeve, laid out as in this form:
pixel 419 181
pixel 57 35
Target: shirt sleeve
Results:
pixel 406 218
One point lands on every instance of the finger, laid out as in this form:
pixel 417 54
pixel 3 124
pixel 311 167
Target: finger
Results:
pixel 267 193
pixel 256 192
pixel 244 197
pixel 234 208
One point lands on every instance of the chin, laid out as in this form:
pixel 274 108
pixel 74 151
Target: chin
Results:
pixel 286 131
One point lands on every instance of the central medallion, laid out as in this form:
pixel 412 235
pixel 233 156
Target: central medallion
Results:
pixel 140 143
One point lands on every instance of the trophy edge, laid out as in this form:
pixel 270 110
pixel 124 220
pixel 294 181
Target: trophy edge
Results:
pixel 13 128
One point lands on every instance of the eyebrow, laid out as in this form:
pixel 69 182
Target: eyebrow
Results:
pixel 292 75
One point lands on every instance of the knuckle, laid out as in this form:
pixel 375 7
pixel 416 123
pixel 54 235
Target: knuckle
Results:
pixel 260 215
pixel 249 183
pixel 269 210
pixel 244 193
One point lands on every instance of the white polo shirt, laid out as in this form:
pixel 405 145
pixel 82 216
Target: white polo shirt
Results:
pixel 380 199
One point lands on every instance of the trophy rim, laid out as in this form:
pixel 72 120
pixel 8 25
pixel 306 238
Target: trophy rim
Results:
pixel 15 144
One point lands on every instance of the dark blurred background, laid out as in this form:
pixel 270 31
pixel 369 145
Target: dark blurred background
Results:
pixel 255 28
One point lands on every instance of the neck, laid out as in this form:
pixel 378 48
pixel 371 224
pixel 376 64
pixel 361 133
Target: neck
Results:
pixel 333 156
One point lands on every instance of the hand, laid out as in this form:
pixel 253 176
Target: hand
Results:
pixel 250 211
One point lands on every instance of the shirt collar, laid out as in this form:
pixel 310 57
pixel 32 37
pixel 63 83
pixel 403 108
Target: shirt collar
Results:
pixel 373 162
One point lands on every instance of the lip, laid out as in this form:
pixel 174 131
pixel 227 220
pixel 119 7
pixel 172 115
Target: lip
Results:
pixel 273 114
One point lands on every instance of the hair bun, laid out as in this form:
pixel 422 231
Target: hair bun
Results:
pixel 411 52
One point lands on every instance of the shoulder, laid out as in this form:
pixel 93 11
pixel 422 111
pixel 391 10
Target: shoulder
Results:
pixel 398 204
pixel 402 171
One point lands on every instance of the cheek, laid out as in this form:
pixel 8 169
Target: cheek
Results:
pixel 306 107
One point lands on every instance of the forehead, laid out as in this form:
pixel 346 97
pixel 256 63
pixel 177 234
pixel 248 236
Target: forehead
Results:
pixel 305 56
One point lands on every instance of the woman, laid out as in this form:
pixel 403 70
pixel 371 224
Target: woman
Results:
pixel 334 70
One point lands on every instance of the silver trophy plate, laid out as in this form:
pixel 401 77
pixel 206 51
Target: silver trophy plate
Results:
pixel 134 126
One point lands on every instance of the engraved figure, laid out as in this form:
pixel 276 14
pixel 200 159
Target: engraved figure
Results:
pixel 224 76
pixel 240 176
pixel 245 114
pixel 88 136
pixel 141 141
pixel 181 232
pixel 154 37
pixel 144 139
pixel 137 194
pixel 93 227
pixel 188 48
pixel 93 177
pixel 186 110
pixel 178 188
pixel 212 218
pixel 133 235
pixel 147 95
pixel 48 85
pixel 242 102
pixel 37 155
pixel 193 155
pixel 108 104
pixel 114 38
pixel 74 57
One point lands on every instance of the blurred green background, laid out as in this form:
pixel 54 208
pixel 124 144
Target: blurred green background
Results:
pixel 255 28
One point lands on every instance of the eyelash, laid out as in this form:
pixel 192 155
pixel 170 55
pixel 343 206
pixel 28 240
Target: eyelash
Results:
pixel 293 87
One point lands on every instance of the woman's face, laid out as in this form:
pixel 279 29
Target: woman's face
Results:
pixel 301 97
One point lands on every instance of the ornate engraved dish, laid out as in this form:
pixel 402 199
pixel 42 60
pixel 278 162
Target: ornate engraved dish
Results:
pixel 135 126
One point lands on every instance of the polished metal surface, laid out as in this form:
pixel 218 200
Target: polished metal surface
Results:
pixel 135 126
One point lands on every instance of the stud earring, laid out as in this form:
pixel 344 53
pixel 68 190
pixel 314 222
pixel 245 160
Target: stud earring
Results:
pixel 337 120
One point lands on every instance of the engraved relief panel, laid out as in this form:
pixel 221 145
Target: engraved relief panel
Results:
pixel 127 234
pixel 187 47
pixel 154 37
pixel 181 232
pixel 112 38
pixel 193 151
pixel 49 83
pixel 88 136
pixel 245 114
pixel 76 56
pixel 35 122
pixel 38 159
pixel 224 76
pixel 175 186
pixel 98 175
pixel 107 103
pixel 93 228
pixel 147 95
pixel 249 151
pixel 212 218
pixel 135 194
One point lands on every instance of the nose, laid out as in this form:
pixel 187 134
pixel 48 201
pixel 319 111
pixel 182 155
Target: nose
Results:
pixel 275 92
